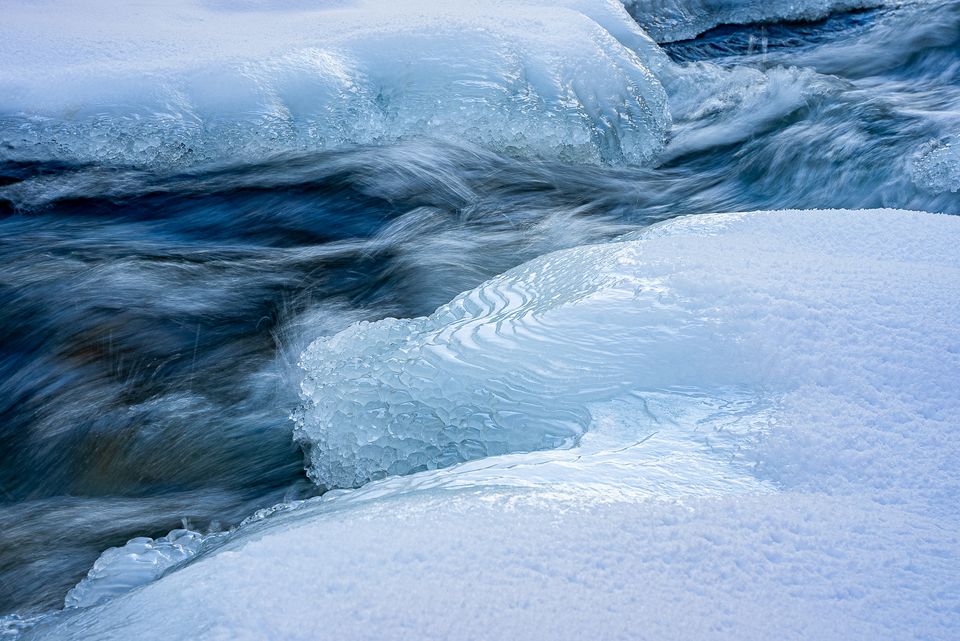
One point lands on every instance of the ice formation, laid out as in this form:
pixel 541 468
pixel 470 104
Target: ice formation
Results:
pixel 577 80
pixel 151 83
pixel 139 562
pixel 937 167
pixel 770 426
pixel 506 367
pixel 672 20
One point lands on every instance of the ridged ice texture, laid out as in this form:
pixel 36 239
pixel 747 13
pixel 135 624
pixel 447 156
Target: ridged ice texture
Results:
pixel 507 367
pixel 401 396
pixel 672 20
pixel 151 83
pixel 139 562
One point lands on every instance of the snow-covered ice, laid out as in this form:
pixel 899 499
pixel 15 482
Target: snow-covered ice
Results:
pixel 152 83
pixel 762 419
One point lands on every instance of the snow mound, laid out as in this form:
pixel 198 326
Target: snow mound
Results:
pixel 496 565
pixel 150 83
pixel 673 20
pixel 767 415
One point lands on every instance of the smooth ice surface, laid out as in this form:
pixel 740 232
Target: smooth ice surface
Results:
pixel 770 451
pixel 671 20
pixel 153 83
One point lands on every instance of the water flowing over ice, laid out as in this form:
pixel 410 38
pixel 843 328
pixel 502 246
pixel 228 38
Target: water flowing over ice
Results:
pixel 670 436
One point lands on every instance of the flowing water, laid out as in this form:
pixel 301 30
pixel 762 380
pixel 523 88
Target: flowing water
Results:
pixel 153 314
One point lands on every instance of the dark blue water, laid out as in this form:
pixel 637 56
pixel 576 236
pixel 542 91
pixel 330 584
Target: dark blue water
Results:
pixel 151 320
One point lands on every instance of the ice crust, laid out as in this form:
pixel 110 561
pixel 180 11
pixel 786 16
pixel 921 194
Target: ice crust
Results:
pixel 672 20
pixel 139 562
pixel 769 450
pixel 937 167
pixel 150 83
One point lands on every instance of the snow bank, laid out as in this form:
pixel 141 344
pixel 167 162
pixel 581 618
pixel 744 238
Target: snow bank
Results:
pixel 152 83
pixel 491 565
pixel 770 452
